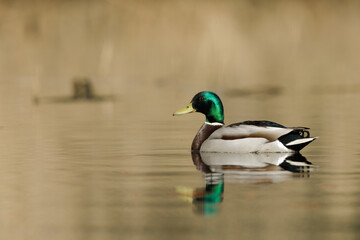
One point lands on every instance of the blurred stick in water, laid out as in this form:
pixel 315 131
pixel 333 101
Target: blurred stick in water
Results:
pixel 82 88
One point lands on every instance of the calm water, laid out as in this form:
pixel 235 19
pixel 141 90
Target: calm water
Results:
pixel 123 170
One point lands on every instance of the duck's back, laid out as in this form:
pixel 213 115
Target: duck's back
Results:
pixel 261 123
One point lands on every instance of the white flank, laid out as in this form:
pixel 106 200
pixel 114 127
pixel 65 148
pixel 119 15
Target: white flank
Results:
pixel 243 131
pixel 245 145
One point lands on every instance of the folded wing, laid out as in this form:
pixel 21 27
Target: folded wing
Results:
pixel 240 131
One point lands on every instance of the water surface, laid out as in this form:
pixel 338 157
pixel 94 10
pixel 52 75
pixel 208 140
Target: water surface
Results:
pixel 120 169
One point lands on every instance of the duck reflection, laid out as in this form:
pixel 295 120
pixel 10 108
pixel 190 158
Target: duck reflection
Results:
pixel 252 168
pixel 219 168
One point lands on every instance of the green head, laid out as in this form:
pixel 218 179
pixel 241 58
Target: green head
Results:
pixel 207 103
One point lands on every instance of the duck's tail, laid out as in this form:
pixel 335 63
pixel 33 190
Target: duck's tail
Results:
pixel 297 139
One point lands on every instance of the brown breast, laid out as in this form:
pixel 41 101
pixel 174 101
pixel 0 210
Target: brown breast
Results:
pixel 204 132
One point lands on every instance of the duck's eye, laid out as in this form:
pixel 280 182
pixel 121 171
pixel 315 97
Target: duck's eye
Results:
pixel 201 98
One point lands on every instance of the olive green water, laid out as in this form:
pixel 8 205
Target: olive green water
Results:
pixel 120 167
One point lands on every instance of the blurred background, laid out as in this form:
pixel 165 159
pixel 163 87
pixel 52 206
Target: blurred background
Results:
pixel 107 166
pixel 122 45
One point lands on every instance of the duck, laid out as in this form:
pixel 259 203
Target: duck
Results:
pixel 243 137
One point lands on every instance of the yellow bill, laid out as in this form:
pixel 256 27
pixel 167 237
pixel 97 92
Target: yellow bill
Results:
pixel 187 109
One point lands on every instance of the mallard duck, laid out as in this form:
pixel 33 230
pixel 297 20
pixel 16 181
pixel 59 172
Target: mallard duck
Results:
pixel 243 137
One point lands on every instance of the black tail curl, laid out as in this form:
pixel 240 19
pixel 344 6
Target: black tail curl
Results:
pixel 297 133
